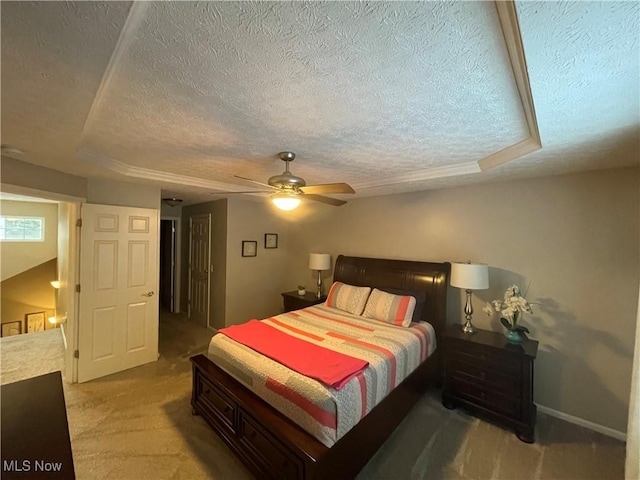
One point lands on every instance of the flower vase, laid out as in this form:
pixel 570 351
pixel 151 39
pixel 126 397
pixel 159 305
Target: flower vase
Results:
pixel 514 336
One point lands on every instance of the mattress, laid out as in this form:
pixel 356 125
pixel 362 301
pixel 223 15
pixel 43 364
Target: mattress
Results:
pixel 393 352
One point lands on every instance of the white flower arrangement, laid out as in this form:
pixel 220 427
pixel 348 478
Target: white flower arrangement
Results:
pixel 510 309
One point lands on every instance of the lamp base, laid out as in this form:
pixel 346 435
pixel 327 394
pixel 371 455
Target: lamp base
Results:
pixel 319 292
pixel 468 328
pixel 468 310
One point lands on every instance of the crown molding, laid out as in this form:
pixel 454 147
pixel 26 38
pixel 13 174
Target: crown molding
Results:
pixel 137 172
pixel 508 19
pixel 512 152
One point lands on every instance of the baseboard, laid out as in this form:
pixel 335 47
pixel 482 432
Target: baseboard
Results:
pixel 610 432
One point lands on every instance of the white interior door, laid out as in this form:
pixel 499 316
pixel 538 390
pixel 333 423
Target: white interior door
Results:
pixel 199 275
pixel 118 321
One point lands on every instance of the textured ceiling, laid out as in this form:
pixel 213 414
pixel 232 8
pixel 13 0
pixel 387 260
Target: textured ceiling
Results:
pixel 387 96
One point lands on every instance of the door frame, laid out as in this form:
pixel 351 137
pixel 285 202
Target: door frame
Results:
pixel 69 324
pixel 191 217
pixel 177 261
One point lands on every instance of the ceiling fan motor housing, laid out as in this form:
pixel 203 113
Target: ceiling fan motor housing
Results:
pixel 286 179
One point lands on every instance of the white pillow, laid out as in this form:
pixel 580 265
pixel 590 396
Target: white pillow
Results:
pixel 389 308
pixel 348 297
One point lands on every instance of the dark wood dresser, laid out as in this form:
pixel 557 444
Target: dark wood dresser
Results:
pixel 491 378
pixel 293 301
pixel 35 432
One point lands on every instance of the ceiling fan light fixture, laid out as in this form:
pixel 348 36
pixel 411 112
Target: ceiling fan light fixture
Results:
pixel 172 201
pixel 285 201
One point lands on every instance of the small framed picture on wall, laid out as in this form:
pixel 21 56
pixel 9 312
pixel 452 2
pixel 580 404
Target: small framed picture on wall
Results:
pixel 270 240
pixel 12 328
pixel 249 248
pixel 35 322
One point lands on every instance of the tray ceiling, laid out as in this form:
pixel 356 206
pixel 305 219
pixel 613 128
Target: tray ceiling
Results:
pixel 387 96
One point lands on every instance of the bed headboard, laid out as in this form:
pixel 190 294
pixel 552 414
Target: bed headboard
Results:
pixel 432 278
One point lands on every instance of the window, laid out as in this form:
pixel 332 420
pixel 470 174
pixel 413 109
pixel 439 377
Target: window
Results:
pixel 21 229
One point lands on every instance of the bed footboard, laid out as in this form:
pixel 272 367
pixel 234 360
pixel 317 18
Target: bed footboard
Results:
pixel 273 447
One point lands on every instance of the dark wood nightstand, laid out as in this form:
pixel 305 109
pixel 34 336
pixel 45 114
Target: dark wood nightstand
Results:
pixel 293 301
pixel 491 377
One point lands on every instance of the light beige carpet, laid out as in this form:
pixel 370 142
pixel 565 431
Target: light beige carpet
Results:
pixel 138 425
pixel 30 354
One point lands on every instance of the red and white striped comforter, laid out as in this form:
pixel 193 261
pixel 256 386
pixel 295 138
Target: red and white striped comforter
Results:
pixel 392 352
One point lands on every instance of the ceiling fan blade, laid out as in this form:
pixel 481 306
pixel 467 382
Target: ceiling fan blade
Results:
pixel 319 198
pixel 328 188
pixel 253 181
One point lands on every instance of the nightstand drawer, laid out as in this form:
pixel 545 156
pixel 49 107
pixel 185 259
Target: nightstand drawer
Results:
pixel 505 383
pixel 489 357
pixel 487 397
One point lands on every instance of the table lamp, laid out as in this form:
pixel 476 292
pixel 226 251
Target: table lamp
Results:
pixel 470 276
pixel 319 262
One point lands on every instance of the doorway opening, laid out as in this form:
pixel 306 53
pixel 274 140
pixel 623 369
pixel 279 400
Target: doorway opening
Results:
pixel 168 263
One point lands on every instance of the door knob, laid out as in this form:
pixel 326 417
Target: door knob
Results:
pixel 148 294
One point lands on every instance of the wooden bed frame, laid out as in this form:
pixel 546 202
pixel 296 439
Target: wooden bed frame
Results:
pixel 274 447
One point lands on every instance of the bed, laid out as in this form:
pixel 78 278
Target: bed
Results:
pixel 272 445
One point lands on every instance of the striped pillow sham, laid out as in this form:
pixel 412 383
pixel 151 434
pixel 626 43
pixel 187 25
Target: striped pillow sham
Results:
pixel 389 308
pixel 349 298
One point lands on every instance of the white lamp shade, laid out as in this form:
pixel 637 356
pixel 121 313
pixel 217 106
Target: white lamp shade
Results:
pixel 319 261
pixel 472 276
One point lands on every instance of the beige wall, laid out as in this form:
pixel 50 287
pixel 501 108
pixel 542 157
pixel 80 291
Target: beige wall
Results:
pixel 167 211
pixel 242 288
pixel 107 192
pixel 255 284
pixel 27 175
pixel 572 239
pixel 29 292
pixel 17 257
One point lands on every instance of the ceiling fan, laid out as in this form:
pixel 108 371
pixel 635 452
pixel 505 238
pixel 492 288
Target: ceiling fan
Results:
pixel 288 189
